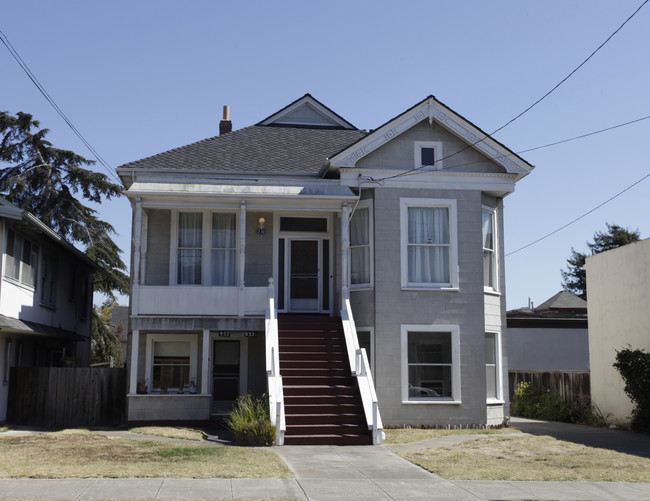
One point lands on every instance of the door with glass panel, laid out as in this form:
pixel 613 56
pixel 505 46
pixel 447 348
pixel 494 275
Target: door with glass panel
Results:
pixel 304 275
pixel 225 374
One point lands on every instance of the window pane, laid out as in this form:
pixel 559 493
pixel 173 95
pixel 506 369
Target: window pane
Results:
pixel 223 231
pixel 190 233
pixel 428 381
pixel 429 347
pixel 360 265
pixel 428 225
pixel 223 267
pixel 359 226
pixel 491 381
pixel 12 264
pixel 171 349
pixel 490 348
pixel 189 266
pixel 488 231
pixel 171 364
pixel 428 264
pixel 428 156
pixel 488 269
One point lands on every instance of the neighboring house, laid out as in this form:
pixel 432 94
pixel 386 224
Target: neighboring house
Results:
pixel 550 337
pixel 618 288
pixel 405 220
pixel 45 298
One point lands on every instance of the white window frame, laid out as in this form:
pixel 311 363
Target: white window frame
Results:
pixel 184 338
pixel 495 251
pixel 206 247
pixel 448 203
pixel 364 204
pixel 498 362
pixel 437 153
pixel 454 331
pixel 19 244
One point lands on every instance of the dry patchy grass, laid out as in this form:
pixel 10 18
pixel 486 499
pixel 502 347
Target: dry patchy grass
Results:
pixel 78 453
pixel 531 458
pixel 171 499
pixel 409 435
pixel 170 432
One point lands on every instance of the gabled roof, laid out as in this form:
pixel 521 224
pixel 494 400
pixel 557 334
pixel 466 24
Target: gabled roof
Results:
pixel 254 150
pixel 433 110
pixel 307 111
pixel 563 300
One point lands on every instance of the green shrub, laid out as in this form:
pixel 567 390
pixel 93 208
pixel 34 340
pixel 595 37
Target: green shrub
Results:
pixel 535 403
pixel 250 422
pixel 634 367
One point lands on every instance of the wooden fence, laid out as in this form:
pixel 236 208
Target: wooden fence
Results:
pixel 571 386
pixel 67 396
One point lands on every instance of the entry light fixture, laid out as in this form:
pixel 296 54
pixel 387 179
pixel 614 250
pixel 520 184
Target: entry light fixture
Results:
pixel 261 229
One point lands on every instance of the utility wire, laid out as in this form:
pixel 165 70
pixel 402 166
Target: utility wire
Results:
pixel 579 217
pixel 529 107
pixel 111 171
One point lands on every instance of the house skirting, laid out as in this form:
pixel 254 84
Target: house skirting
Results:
pixel 172 407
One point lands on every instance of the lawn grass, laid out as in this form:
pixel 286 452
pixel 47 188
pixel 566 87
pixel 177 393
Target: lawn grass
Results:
pixel 409 435
pixel 171 432
pixel 82 454
pixel 530 458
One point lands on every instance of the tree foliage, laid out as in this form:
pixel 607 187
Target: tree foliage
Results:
pixel 104 344
pixel 574 279
pixel 45 181
pixel 634 367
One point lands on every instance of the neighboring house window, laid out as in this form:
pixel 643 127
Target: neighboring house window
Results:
pixel 492 366
pixel 190 243
pixel 48 280
pixel 429 243
pixel 430 363
pixel 224 249
pixel 489 249
pixel 22 259
pixel 428 155
pixel 171 364
pixel 360 247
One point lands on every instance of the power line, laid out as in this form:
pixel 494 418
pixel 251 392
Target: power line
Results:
pixel 532 105
pixel 580 217
pixel 49 99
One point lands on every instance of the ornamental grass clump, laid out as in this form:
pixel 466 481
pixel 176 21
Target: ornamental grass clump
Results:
pixel 250 422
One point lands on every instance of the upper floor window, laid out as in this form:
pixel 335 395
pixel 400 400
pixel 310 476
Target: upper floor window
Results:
pixel 190 243
pixel 429 243
pixel 428 155
pixel 224 247
pixel 22 259
pixel 489 249
pixel 361 246
pixel 48 279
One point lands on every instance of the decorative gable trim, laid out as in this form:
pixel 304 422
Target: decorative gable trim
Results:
pixel 322 115
pixel 432 109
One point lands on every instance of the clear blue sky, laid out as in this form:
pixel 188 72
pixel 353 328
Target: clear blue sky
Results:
pixel 139 78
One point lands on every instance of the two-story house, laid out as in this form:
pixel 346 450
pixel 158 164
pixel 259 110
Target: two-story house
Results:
pixel 45 298
pixel 380 249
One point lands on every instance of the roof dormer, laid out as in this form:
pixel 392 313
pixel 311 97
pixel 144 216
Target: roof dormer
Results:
pixel 307 112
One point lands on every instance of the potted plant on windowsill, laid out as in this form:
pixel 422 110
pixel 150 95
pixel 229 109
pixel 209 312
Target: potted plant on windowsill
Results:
pixel 193 385
pixel 142 386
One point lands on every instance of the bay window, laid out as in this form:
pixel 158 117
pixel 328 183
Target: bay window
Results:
pixel 429 243
pixel 492 367
pixel 489 248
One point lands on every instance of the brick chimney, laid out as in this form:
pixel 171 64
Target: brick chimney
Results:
pixel 225 125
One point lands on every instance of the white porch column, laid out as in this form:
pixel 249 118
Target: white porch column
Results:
pixel 205 364
pixel 137 242
pixel 133 369
pixel 345 245
pixel 242 258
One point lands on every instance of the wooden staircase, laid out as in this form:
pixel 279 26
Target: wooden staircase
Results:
pixel 322 400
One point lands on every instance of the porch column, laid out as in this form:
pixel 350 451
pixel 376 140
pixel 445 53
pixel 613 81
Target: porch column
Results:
pixel 242 258
pixel 133 369
pixel 137 242
pixel 205 363
pixel 345 245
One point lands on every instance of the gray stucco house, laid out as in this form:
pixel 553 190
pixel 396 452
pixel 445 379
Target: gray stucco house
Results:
pixel 355 277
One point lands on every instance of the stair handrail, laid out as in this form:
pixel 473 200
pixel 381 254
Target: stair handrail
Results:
pixel 361 369
pixel 274 378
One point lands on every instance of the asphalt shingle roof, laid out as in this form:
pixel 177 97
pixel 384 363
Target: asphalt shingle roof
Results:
pixel 256 150
pixel 563 300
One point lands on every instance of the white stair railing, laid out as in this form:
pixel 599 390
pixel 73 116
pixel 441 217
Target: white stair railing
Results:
pixel 361 369
pixel 276 394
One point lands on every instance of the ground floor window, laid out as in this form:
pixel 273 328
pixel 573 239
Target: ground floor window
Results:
pixel 171 361
pixel 492 367
pixel 430 363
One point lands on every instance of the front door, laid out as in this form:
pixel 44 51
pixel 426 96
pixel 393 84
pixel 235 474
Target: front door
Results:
pixel 225 375
pixel 304 275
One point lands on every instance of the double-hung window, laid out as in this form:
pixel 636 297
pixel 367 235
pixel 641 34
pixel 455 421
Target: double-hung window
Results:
pixel 492 367
pixel 190 244
pixel 48 279
pixel 360 246
pixel 489 249
pixel 428 243
pixel 171 364
pixel 224 247
pixel 22 259
pixel 430 363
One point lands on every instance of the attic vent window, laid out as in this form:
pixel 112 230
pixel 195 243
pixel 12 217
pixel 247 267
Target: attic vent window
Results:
pixel 428 155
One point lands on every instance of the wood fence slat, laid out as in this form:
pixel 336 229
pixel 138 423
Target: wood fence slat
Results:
pixel 571 386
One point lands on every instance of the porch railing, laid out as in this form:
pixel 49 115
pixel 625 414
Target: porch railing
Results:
pixel 361 369
pixel 276 394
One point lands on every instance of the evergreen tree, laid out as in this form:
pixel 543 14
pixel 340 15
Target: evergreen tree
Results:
pixel 574 279
pixel 104 344
pixel 44 180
